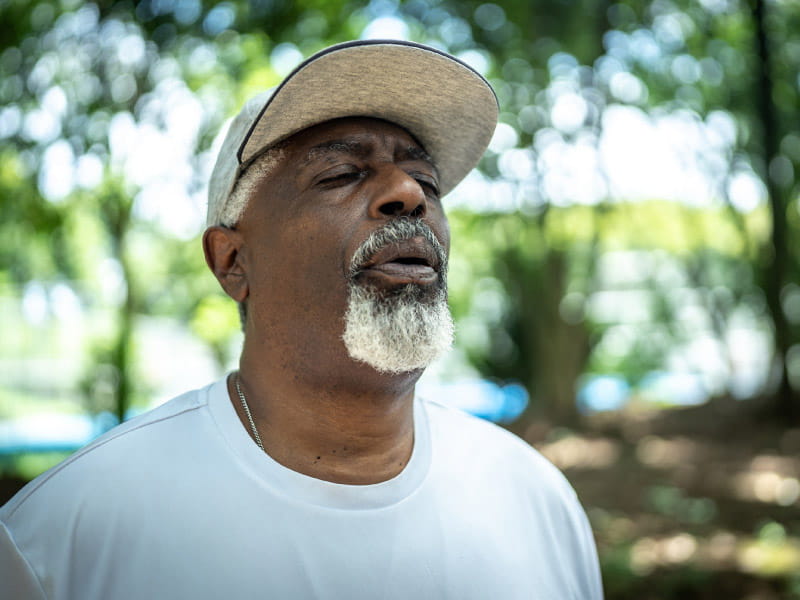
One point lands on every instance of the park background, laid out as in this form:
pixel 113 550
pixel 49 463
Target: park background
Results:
pixel 626 260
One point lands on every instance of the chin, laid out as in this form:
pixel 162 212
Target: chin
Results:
pixel 400 330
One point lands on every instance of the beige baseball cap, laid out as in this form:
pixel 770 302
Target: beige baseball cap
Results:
pixel 445 104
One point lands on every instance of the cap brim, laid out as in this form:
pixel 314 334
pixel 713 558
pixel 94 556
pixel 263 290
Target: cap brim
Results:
pixel 445 104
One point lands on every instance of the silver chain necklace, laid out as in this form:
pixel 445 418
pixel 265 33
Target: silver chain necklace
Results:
pixel 247 412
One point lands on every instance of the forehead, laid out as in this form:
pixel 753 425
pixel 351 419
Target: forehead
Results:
pixel 353 135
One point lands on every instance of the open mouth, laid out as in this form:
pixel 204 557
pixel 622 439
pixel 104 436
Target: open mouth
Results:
pixel 407 261
pixel 411 260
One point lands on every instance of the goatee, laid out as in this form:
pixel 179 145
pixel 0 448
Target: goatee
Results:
pixel 404 329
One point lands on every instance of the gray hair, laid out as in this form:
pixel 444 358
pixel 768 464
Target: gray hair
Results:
pixel 398 333
pixel 261 167
pixel 404 331
pixel 243 190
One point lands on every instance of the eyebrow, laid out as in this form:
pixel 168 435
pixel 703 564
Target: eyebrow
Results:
pixel 359 149
pixel 416 153
pixel 335 147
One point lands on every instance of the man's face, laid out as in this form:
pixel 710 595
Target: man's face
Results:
pixel 323 225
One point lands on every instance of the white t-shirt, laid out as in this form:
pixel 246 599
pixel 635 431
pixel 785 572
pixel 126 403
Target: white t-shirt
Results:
pixel 180 503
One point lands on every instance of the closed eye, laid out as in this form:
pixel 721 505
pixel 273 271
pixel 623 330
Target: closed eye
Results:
pixel 341 178
pixel 429 186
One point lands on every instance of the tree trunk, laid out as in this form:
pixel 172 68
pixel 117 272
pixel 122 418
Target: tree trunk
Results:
pixel 117 211
pixel 786 402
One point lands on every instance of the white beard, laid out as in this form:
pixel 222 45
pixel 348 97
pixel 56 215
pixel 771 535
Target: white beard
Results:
pixel 399 332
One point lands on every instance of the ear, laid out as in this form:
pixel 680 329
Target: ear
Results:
pixel 222 248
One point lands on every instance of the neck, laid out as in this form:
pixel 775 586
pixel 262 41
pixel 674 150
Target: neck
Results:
pixel 354 430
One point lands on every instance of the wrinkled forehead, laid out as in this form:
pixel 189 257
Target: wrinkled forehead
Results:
pixel 355 136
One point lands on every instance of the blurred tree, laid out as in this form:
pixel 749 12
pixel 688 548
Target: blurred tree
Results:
pixel 89 87
pixel 777 109
pixel 87 90
pixel 530 294
pixel 702 58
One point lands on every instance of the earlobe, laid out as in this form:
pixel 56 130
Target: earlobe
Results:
pixel 222 248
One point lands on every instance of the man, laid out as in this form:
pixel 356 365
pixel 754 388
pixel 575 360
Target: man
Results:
pixel 314 472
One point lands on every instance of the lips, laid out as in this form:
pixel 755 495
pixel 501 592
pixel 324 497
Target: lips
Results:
pixel 407 261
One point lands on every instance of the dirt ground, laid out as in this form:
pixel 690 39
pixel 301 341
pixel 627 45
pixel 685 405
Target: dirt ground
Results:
pixel 692 503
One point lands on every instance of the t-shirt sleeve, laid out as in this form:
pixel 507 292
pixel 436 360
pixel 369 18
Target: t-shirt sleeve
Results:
pixel 574 532
pixel 17 579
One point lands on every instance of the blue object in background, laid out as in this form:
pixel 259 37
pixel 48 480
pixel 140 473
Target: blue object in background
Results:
pixel 682 389
pixel 482 398
pixel 52 432
pixel 598 393
pixel 67 433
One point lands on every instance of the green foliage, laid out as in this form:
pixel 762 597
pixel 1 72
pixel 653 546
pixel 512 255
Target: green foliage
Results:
pixel 215 321
pixel 75 74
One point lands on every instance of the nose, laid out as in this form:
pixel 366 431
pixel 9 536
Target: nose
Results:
pixel 397 194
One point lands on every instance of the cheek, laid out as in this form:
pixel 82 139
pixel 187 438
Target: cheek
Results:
pixel 441 228
pixel 309 258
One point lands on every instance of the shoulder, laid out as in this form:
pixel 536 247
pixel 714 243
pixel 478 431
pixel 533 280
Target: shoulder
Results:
pixel 496 452
pixel 496 474
pixel 113 456
pixel 479 435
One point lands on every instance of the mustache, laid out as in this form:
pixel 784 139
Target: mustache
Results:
pixel 393 232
